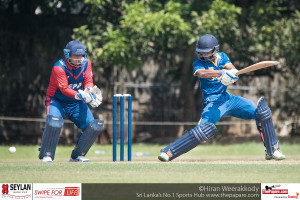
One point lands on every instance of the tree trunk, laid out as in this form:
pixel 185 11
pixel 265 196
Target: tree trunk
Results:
pixel 186 85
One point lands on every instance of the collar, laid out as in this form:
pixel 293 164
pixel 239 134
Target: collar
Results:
pixel 216 63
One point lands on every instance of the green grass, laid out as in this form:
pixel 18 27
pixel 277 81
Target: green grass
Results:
pixel 240 163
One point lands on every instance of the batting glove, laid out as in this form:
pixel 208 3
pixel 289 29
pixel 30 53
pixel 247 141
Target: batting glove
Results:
pixel 228 76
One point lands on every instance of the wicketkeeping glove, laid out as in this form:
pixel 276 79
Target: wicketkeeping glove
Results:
pixel 96 93
pixel 85 95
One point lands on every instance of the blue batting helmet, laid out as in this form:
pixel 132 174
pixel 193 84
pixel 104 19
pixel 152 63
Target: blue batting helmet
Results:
pixel 75 47
pixel 207 43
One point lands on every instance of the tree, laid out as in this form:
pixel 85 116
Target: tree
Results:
pixel 157 30
pixel 285 43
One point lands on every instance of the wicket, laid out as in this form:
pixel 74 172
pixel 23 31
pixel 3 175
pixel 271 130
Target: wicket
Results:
pixel 115 97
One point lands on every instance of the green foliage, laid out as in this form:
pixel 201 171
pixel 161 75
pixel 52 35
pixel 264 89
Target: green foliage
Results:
pixel 285 38
pixel 148 28
pixel 152 29
pixel 285 43
pixel 220 20
pixel 126 33
pixel 144 29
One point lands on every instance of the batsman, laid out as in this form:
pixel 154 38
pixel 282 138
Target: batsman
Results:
pixel 70 89
pixel 216 72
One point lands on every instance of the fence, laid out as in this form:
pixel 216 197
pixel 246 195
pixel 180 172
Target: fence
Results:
pixel 142 130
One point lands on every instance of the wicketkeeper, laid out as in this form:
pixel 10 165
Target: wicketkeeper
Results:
pixel 70 89
pixel 215 72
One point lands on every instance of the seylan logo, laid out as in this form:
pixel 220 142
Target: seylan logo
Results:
pixel 4 188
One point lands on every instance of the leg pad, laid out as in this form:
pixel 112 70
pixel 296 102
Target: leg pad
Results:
pixel 86 140
pixel 190 140
pixel 51 136
pixel 265 126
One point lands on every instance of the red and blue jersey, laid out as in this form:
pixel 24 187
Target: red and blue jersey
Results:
pixel 65 81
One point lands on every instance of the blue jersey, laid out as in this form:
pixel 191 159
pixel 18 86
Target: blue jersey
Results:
pixel 211 86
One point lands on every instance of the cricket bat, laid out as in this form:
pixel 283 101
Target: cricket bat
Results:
pixel 257 66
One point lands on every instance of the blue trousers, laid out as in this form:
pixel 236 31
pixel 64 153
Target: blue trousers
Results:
pixel 217 106
pixel 78 112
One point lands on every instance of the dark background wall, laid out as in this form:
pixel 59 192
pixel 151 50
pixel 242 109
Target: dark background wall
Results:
pixel 30 45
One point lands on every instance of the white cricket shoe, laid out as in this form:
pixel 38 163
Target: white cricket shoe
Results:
pixel 277 155
pixel 47 159
pixel 163 157
pixel 79 159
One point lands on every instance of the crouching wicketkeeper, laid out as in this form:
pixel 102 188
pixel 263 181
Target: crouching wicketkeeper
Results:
pixel 71 87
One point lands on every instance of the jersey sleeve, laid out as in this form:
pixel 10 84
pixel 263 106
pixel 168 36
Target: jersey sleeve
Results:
pixel 196 67
pixel 225 59
pixel 88 76
pixel 61 80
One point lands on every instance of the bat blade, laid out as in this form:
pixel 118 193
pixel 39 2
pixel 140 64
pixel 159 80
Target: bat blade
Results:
pixel 257 66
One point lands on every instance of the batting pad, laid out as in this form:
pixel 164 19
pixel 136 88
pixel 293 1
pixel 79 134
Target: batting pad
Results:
pixel 86 140
pixel 51 136
pixel 190 140
pixel 265 126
